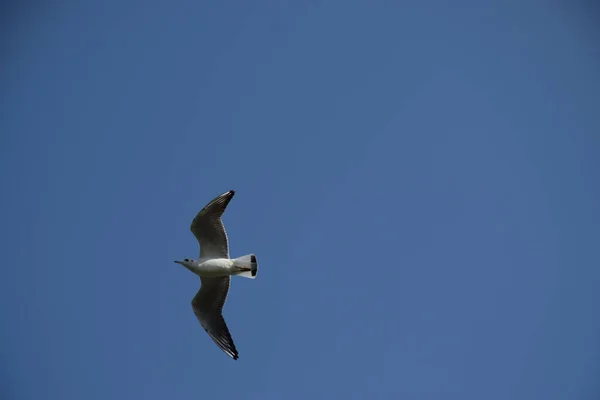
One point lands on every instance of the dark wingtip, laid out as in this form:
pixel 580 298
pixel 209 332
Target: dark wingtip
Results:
pixel 232 192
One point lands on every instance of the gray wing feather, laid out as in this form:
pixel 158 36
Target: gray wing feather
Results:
pixel 208 228
pixel 208 307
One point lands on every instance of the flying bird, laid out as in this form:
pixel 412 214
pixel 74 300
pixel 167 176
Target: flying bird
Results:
pixel 214 267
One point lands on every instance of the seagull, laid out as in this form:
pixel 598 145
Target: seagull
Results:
pixel 214 267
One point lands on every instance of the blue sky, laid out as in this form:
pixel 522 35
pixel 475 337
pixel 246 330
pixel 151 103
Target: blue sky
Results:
pixel 417 179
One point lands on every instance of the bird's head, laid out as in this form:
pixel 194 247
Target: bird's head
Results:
pixel 187 262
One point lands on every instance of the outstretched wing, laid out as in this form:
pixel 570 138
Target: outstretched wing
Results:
pixel 208 306
pixel 208 228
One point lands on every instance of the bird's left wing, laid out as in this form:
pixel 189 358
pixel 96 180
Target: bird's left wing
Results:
pixel 208 228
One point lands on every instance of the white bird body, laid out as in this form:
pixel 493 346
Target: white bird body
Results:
pixel 212 267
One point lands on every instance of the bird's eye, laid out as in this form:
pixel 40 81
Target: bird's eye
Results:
pixel 186 260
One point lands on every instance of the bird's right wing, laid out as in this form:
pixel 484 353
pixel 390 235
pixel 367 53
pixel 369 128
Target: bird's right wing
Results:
pixel 208 306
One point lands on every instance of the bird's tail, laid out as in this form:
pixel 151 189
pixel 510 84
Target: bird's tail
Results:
pixel 246 266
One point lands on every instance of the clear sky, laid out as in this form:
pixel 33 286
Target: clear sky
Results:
pixel 418 179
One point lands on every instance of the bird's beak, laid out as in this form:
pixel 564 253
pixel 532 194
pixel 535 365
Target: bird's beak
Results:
pixel 178 262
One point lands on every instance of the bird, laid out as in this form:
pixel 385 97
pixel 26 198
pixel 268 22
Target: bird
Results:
pixel 215 268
